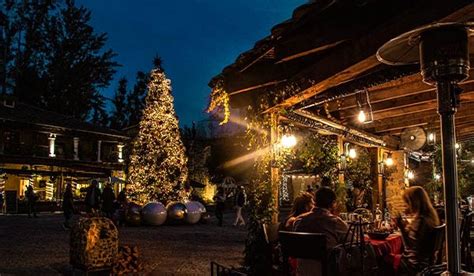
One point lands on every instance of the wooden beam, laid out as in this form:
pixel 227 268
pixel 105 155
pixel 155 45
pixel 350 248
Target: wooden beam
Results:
pixel 404 87
pixel 311 51
pixel 461 122
pixel 358 56
pixel 407 101
pixel 465 109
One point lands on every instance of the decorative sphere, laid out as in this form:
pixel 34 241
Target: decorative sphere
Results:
pixel 194 212
pixel 176 212
pixel 154 213
pixel 201 207
pixel 132 214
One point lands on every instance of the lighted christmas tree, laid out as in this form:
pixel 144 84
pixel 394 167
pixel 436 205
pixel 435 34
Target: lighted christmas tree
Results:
pixel 158 161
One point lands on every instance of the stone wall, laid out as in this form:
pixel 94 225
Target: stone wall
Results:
pixel 396 183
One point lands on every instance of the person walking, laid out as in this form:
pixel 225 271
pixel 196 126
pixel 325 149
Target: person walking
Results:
pixel 240 200
pixel 108 198
pixel 122 206
pixel 92 199
pixel 31 201
pixel 68 206
pixel 1 202
pixel 220 198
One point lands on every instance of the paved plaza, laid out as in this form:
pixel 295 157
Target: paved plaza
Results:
pixel 40 246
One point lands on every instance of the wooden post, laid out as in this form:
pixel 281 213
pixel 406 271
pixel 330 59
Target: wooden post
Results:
pixel 341 153
pixel 275 171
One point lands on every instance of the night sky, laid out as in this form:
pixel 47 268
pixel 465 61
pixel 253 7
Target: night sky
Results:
pixel 195 38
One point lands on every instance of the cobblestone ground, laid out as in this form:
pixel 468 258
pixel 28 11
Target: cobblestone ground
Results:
pixel 39 246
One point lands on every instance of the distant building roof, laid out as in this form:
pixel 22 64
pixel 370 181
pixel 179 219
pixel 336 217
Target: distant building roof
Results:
pixel 24 113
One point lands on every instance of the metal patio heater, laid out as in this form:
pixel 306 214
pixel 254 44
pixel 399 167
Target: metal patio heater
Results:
pixel 443 52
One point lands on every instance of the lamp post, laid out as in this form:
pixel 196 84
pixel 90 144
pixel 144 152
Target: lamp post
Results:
pixel 443 52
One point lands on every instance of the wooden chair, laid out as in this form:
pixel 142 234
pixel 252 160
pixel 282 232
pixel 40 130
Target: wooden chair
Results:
pixel 466 256
pixel 310 246
pixel 438 245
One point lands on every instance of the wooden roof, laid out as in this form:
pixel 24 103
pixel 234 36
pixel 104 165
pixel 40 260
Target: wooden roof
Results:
pixel 21 113
pixel 326 51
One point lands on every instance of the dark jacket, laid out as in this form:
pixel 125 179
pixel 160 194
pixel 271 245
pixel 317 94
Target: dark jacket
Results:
pixel 68 204
pixel 240 199
pixel 93 197
pixel 320 220
pixel 108 198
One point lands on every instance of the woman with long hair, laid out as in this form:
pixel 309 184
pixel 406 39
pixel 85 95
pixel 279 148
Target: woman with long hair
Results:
pixel 302 204
pixel 418 234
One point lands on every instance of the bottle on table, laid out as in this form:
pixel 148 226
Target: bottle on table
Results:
pixel 378 216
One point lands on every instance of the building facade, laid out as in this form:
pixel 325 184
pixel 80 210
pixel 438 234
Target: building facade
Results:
pixel 48 150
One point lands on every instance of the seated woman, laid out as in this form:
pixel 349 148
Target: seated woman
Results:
pixel 418 234
pixel 302 204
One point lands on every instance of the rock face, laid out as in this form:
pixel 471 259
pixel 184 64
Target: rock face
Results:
pixel 93 244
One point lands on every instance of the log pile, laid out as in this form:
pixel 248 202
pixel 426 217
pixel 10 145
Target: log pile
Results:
pixel 127 260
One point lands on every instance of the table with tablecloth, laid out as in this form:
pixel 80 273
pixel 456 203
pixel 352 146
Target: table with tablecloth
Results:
pixel 389 250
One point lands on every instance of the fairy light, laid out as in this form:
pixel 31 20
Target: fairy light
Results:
pixel 158 162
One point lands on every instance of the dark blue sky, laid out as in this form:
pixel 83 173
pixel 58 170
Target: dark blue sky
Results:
pixel 195 38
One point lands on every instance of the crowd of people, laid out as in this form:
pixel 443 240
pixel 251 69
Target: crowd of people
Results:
pixel 97 202
pixel 317 213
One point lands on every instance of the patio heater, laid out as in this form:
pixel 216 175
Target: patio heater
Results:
pixel 443 52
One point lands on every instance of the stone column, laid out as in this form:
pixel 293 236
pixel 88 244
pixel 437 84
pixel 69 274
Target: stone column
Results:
pixel 76 148
pixel 52 140
pixel 120 152
pixel 396 183
pixel 99 145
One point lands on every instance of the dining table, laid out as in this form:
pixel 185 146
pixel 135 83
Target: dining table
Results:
pixel 389 250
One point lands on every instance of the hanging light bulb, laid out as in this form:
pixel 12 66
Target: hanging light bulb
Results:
pixel 361 117
pixel 431 137
pixel 352 153
pixel 410 174
pixel 389 160
pixel 288 141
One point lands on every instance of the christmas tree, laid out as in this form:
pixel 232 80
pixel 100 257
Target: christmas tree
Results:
pixel 158 161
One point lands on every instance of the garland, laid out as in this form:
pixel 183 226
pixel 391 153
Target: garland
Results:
pixel 220 100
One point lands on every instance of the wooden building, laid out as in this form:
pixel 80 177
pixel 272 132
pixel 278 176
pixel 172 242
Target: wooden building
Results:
pixel 46 150
pixel 319 69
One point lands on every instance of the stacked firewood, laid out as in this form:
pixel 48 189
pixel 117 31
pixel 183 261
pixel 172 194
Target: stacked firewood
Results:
pixel 127 260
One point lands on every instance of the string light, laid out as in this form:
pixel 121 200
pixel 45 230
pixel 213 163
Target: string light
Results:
pixel 437 177
pixel 158 163
pixel 457 146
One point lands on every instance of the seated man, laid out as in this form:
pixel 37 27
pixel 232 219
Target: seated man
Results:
pixel 321 219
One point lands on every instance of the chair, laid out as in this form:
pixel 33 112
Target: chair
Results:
pixel 311 246
pixel 438 245
pixel 466 223
pixel 270 231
